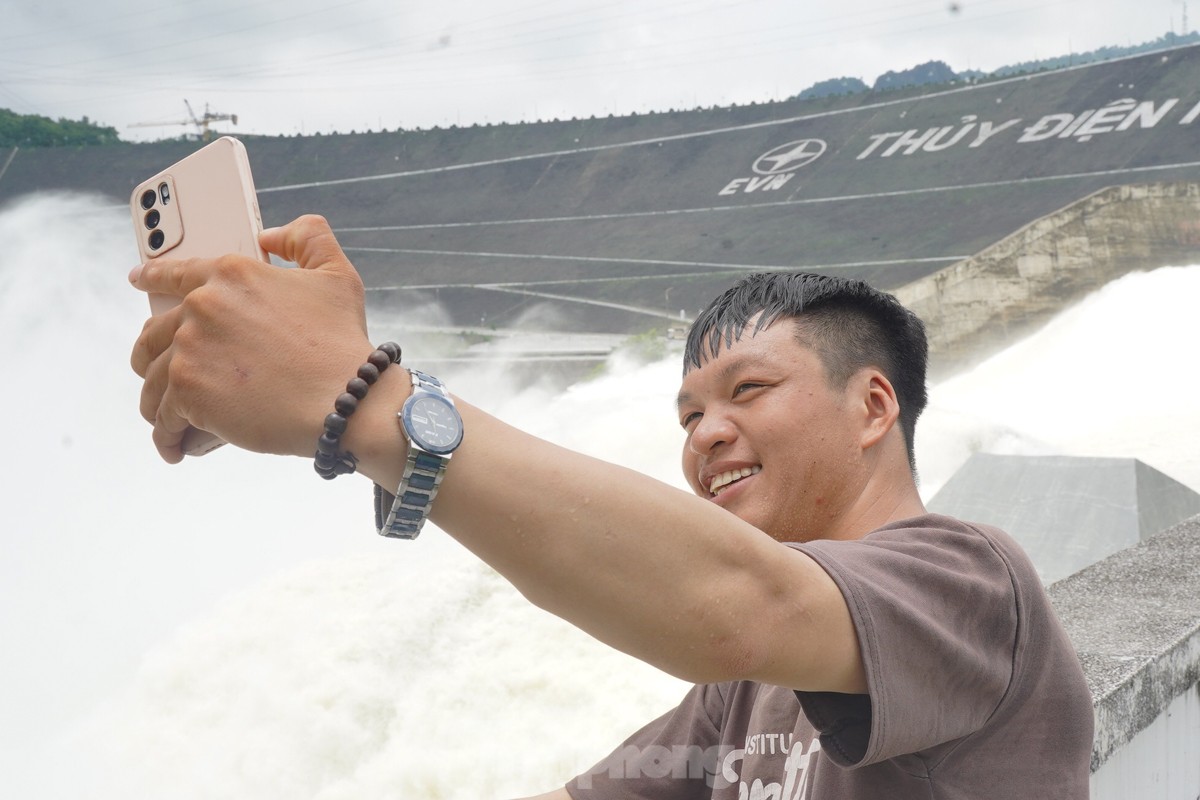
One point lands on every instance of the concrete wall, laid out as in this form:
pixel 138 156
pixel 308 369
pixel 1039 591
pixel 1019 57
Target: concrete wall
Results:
pixel 1135 621
pixel 1161 762
pixel 984 302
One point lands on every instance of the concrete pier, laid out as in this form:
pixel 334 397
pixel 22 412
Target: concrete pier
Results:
pixel 1068 512
pixel 982 303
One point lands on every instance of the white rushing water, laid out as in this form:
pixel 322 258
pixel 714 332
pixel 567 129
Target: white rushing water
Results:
pixel 232 627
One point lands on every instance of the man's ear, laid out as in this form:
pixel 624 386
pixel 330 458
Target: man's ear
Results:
pixel 880 407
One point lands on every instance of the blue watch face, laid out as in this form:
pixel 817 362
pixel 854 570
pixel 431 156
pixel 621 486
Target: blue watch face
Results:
pixel 432 423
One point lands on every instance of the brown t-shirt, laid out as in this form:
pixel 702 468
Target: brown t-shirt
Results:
pixel 974 692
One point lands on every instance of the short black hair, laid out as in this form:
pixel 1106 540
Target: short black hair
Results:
pixel 849 324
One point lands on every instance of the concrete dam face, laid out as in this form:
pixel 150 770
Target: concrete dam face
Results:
pixel 622 225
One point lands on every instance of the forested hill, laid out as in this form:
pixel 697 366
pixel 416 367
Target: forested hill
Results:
pixel 29 130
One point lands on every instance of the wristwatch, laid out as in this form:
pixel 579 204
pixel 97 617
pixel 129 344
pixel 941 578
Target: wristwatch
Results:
pixel 434 431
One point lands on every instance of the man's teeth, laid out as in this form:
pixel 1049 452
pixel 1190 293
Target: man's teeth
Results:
pixel 726 478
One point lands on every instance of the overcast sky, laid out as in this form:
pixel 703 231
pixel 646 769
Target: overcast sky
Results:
pixel 303 66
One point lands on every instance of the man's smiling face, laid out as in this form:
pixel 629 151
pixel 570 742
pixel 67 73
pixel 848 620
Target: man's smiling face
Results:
pixel 768 439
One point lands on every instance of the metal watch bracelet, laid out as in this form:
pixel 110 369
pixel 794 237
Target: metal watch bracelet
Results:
pixel 402 515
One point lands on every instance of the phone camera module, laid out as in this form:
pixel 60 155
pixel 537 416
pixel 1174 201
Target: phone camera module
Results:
pixel 148 198
pixel 156 239
pixel 164 192
pixel 152 218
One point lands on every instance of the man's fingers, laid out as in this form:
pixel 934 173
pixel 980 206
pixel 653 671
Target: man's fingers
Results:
pixel 169 428
pixel 153 388
pixel 157 406
pixel 156 336
pixel 170 277
pixel 309 242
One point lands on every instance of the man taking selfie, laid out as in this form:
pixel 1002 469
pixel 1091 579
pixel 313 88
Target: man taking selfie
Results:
pixel 843 642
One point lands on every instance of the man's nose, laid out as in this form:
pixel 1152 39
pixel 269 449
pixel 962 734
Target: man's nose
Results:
pixel 714 429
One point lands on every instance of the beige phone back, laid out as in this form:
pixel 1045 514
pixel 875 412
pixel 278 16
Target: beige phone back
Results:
pixel 202 206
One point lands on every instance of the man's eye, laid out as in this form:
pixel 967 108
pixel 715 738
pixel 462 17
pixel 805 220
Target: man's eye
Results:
pixel 743 387
pixel 688 419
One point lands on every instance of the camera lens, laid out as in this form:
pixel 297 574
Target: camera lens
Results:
pixel 156 239
pixel 148 198
pixel 164 191
pixel 152 218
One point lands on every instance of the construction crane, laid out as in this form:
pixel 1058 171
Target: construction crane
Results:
pixel 201 122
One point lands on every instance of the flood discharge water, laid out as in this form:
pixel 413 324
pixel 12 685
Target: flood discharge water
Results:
pixel 233 626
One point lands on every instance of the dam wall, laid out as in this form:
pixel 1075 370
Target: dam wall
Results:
pixel 620 225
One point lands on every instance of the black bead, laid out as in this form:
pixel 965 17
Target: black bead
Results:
pixel 368 372
pixel 393 351
pixel 379 360
pixel 328 443
pixel 336 424
pixel 346 404
pixel 357 387
pixel 324 460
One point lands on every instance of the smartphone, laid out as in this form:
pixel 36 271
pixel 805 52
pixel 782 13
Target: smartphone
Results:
pixel 203 205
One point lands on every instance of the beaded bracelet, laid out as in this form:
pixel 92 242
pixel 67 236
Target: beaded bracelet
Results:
pixel 329 460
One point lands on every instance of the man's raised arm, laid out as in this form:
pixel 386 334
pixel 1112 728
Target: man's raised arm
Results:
pixel 256 354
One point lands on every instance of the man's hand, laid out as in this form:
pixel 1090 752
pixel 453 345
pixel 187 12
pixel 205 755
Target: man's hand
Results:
pixel 253 353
